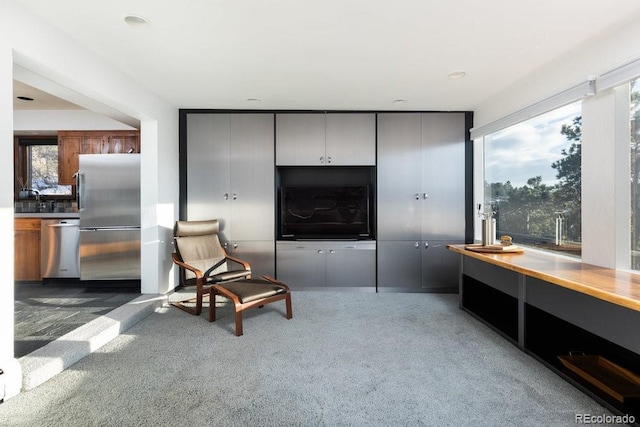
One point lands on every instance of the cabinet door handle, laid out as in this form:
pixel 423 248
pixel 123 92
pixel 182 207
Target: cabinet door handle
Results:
pixel 332 251
pixel 426 245
pixel 235 246
pixel 416 245
pixel 329 159
pixel 425 196
pixel 235 196
pixel 417 196
pixel 226 196
pixel 321 159
pixel 320 251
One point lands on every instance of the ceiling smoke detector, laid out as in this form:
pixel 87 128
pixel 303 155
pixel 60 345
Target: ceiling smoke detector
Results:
pixel 137 21
pixel 457 74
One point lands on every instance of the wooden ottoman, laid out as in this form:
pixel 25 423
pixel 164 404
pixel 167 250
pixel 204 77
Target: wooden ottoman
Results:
pixel 249 293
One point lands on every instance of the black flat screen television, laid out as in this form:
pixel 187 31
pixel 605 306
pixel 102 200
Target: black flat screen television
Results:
pixel 325 212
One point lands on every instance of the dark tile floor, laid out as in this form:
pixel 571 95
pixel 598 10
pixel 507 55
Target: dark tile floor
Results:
pixel 44 311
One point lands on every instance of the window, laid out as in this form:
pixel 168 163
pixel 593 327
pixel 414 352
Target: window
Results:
pixel 38 169
pixel 634 113
pixel 533 180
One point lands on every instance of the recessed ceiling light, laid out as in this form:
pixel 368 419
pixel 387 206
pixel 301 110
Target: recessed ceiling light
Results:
pixel 457 74
pixel 399 101
pixel 137 21
pixel 24 98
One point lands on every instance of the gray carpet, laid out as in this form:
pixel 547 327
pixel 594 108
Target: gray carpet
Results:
pixel 351 359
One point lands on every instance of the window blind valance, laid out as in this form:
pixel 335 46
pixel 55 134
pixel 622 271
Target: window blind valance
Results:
pixel 616 77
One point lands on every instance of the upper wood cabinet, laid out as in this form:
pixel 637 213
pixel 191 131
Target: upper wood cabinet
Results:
pixel 68 150
pixel 332 139
pixel 73 143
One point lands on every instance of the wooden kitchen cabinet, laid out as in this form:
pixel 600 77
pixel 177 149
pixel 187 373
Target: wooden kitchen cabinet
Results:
pixel 92 144
pixel 68 150
pixel 73 143
pixel 27 249
pixel 122 143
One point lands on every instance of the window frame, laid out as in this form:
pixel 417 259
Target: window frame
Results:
pixel 21 167
pixel 480 182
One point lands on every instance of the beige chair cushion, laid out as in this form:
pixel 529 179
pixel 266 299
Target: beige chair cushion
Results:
pixel 252 290
pixel 201 252
pixel 196 228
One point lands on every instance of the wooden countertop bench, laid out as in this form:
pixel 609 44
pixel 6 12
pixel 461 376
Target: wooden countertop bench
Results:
pixel 617 287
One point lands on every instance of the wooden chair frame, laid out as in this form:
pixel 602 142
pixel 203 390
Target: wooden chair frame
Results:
pixel 202 287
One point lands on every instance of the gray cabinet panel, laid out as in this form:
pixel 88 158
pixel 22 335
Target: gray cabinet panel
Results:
pixel 300 139
pixel 440 266
pixel 399 264
pixel 230 177
pixel 351 139
pixel 301 266
pixel 260 254
pixel 421 204
pixel 351 267
pixel 443 175
pixel 398 173
pixel 417 265
pixel 208 142
pixel 252 177
pixel 334 139
pixel 327 263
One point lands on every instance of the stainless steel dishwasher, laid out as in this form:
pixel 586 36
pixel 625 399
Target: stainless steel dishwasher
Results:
pixel 59 243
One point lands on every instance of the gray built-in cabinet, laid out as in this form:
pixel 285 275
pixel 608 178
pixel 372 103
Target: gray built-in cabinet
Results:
pixel 230 177
pixel 419 163
pixel 343 264
pixel 317 140
pixel 421 200
pixel 331 139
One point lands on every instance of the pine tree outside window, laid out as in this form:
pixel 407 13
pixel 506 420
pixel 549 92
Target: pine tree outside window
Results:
pixel 533 181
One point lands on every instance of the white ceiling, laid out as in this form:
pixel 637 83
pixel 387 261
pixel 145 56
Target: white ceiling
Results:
pixel 39 100
pixel 332 54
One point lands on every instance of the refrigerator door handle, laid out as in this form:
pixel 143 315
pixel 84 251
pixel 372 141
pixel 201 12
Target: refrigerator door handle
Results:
pixel 109 228
pixel 80 197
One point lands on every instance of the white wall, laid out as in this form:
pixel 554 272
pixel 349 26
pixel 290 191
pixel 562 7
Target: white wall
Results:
pixel 603 54
pixel 30 44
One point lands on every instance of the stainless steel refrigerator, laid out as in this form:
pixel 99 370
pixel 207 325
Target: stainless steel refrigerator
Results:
pixel 108 190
